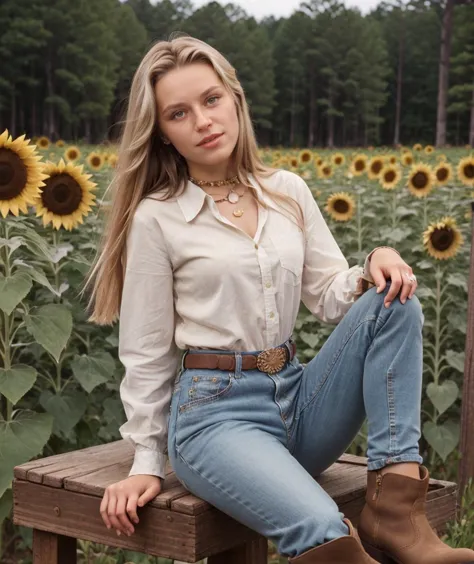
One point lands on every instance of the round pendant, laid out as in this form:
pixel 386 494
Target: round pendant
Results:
pixel 238 213
pixel 233 198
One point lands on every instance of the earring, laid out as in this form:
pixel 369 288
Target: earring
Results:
pixel 165 141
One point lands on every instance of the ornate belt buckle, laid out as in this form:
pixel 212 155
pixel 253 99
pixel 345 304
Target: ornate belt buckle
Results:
pixel 271 360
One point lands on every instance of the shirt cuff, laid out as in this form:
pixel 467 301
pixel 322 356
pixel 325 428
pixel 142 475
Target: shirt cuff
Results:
pixel 148 461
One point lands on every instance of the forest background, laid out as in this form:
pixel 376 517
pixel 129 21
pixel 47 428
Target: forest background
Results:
pixel 325 76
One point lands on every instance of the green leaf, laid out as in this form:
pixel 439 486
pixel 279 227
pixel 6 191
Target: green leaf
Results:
pixel 6 504
pixel 443 439
pixel 424 264
pixel 401 211
pixel 458 321
pixel 93 369
pixel 13 289
pixel 457 279
pixel 36 274
pixel 455 359
pixel 311 339
pixel 67 409
pixel 13 243
pixel 442 395
pixel 35 242
pixel 51 326
pixel 20 440
pixel 16 381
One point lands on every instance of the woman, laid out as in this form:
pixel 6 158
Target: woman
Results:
pixel 207 250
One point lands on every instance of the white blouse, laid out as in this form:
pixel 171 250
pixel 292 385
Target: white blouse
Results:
pixel 195 280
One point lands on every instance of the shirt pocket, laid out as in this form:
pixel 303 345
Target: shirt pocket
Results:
pixel 289 248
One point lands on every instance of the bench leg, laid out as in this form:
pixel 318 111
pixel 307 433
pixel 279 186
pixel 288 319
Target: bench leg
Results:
pixel 254 552
pixel 50 548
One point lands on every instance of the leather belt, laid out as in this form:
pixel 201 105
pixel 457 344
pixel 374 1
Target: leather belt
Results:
pixel 269 360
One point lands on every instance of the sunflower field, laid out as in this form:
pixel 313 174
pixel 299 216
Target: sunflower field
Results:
pixel 60 375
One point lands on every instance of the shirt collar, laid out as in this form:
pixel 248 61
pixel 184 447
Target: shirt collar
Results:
pixel 192 198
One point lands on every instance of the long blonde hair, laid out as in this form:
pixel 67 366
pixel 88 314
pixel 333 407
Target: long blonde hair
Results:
pixel 147 165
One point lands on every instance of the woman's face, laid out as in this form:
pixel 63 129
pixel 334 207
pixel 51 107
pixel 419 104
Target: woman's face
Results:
pixel 193 104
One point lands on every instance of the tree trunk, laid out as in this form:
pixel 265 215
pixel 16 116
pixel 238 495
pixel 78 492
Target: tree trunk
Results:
pixel 312 107
pixel 13 114
pixel 471 128
pixel 443 80
pixel 292 114
pixel 330 141
pixel 398 108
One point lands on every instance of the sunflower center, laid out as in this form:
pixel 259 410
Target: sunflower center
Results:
pixel 72 155
pixel 338 160
pixel 389 176
pixel 95 161
pixel 306 157
pixel 376 167
pixel 442 174
pixel 13 175
pixel 326 170
pixel 341 206
pixel 359 165
pixel 442 238
pixel 420 180
pixel 62 195
pixel 469 170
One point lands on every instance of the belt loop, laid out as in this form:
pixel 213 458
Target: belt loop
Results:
pixel 238 364
pixel 182 360
pixel 289 348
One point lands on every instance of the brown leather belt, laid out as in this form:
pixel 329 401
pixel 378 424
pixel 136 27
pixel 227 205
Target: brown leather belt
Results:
pixel 269 360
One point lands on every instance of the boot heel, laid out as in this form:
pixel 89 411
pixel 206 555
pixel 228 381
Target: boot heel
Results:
pixel 377 554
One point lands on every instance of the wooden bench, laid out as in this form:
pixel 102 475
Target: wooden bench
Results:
pixel 59 497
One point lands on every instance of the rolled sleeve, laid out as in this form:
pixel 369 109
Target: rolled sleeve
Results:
pixel 146 345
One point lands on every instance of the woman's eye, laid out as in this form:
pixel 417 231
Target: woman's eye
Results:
pixel 181 111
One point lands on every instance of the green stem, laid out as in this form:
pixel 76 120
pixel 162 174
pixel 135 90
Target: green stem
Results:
pixel 7 322
pixel 394 208
pixel 437 345
pixel 359 222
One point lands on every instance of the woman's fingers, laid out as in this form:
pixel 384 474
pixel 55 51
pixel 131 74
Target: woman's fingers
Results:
pixel 132 508
pixel 111 512
pixel 121 513
pixel 103 509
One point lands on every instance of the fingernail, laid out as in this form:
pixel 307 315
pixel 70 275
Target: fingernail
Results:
pixel 387 305
pixel 403 301
pixel 118 533
pixel 409 297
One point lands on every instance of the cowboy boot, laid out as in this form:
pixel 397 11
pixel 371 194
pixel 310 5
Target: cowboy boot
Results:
pixel 343 550
pixel 393 526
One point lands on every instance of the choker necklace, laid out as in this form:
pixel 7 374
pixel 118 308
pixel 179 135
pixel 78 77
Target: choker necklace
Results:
pixel 232 196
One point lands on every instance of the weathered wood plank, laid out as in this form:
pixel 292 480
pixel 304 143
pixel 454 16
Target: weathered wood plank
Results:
pixel 50 548
pixel 255 552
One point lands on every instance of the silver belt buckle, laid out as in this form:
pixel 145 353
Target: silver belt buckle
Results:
pixel 271 360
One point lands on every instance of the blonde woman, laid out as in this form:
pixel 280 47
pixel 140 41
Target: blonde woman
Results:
pixel 206 256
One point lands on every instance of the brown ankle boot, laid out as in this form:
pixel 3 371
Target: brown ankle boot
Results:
pixel 393 526
pixel 343 550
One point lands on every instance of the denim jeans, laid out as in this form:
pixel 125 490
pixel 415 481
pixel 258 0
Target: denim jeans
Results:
pixel 250 443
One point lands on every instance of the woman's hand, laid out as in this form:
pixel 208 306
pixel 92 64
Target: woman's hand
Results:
pixel 387 264
pixel 120 501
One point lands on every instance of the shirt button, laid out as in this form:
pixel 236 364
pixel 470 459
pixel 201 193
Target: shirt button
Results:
pixel 268 285
pixel 256 246
pixel 272 315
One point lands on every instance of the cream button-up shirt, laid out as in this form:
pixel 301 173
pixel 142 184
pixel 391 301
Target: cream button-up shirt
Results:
pixel 195 280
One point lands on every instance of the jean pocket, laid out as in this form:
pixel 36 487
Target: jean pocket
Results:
pixel 204 386
pixel 290 251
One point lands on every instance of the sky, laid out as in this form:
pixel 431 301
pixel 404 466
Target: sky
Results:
pixel 281 8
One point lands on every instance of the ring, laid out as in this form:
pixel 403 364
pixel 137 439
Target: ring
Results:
pixel 410 278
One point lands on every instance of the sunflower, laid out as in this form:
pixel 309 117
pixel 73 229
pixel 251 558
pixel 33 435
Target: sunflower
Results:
pixel 443 173
pixel 340 206
pixel 60 143
pixel 72 153
pixel 319 161
pixel 67 196
pixel 20 174
pixel 417 147
pixel 375 167
pixel 95 160
pixel 359 164
pixel 338 159
pixel 293 162
pixel 442 240
pixel 407 159
pixel 113 160
pixel 392 159
pixel 325 170
pixel 43 142
pixel 442 157
pixel 305 156
pixel 466 171
pixel 390 176
pixel 421 180
pixel 429 149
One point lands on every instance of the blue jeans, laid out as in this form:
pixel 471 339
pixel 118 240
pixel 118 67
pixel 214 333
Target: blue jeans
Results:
pixel 250 443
